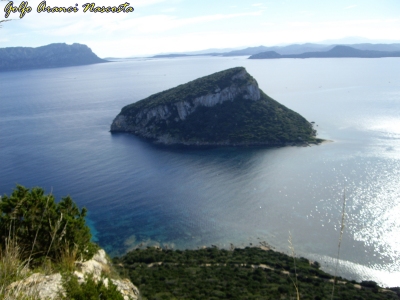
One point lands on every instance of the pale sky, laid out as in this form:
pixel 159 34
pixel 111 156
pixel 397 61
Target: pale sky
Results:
pixel 160 26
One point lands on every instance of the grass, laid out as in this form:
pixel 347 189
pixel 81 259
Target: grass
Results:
pixel 13 269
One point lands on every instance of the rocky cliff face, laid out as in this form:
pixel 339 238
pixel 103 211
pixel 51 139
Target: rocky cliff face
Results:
pixel 144 120
pixel 181 109
pixel 208 111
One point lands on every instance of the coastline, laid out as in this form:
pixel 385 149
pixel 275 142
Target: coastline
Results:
pixel 169 142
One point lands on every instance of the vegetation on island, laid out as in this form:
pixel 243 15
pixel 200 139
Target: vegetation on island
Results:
pixel 250 273
pixel 191 90
pixel 243 122
pixel 237 122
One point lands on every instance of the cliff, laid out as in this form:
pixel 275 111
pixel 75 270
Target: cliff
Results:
pixel 50 56
pixel 225 108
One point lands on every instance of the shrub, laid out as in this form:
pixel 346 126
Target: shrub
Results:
pixel 42 228
pixel 90 289
pixel 369 284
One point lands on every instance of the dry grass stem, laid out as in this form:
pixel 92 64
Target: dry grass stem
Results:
pixel 295 283
pixel 340 240
pixel 37 231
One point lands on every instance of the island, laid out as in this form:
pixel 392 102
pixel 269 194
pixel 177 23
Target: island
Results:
pixel 335 52
pixel 49 56
pixel 226 108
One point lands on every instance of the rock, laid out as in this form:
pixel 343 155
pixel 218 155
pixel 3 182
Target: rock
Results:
pixel 96 266
pixel 127 289
pixel 50 286
pixel 36 285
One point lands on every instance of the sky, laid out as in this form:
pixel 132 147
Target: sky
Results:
pixel 171 26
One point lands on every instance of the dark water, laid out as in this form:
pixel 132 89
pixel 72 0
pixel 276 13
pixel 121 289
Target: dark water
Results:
pixel 54 133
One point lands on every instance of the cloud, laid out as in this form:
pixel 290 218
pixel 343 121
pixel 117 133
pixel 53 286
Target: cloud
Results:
pixel 142 3
pixel 169 10
pixel 300 24
pixel 134 25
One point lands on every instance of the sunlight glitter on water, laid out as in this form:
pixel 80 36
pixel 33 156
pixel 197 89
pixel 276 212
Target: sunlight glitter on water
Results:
pixel 374 211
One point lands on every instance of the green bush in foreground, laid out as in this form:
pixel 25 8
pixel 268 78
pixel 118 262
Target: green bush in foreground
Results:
pixel 42 228
pixel 90 289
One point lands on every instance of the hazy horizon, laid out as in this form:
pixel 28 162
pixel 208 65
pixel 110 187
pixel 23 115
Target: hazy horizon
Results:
pixel 344 41
pixel 160 26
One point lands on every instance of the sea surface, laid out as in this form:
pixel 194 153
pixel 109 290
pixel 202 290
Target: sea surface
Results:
pixel 54 133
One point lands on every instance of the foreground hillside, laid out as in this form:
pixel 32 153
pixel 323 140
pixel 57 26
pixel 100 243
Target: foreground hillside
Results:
pixel 250 273
pixel 223 109
pixel 50 56
pixel 46 252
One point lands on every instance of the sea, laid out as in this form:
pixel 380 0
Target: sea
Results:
pixel 337 203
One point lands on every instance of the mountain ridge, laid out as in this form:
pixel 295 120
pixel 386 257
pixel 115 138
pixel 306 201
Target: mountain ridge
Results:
pixel 336 52
pixel 285 50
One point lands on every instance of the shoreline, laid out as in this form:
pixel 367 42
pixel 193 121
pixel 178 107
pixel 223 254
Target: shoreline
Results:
pixel 166 142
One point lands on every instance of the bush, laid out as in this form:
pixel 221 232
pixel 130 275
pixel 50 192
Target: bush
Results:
pixel 90 289
pixel 369 284
pixel 42 228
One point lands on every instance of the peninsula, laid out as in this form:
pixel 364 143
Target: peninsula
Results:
pixel 226 108
pixel 49 56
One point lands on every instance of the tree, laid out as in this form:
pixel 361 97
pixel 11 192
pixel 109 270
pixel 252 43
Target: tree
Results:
pixel 43 228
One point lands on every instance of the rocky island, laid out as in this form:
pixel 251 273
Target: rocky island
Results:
pixel 226 108
pixel 49 56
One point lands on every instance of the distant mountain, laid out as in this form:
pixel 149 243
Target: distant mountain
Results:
pixel 246 51
pixel 337 51
pixel 377 47
pixel 290 49
pixel 172 55
pixel 215 51
pixel 50 56
pixel 284 50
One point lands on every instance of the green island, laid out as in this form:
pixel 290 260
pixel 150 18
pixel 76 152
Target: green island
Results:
pixel 46 253
pixel 226 108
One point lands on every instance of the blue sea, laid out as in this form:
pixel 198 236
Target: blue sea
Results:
pixel 54 133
